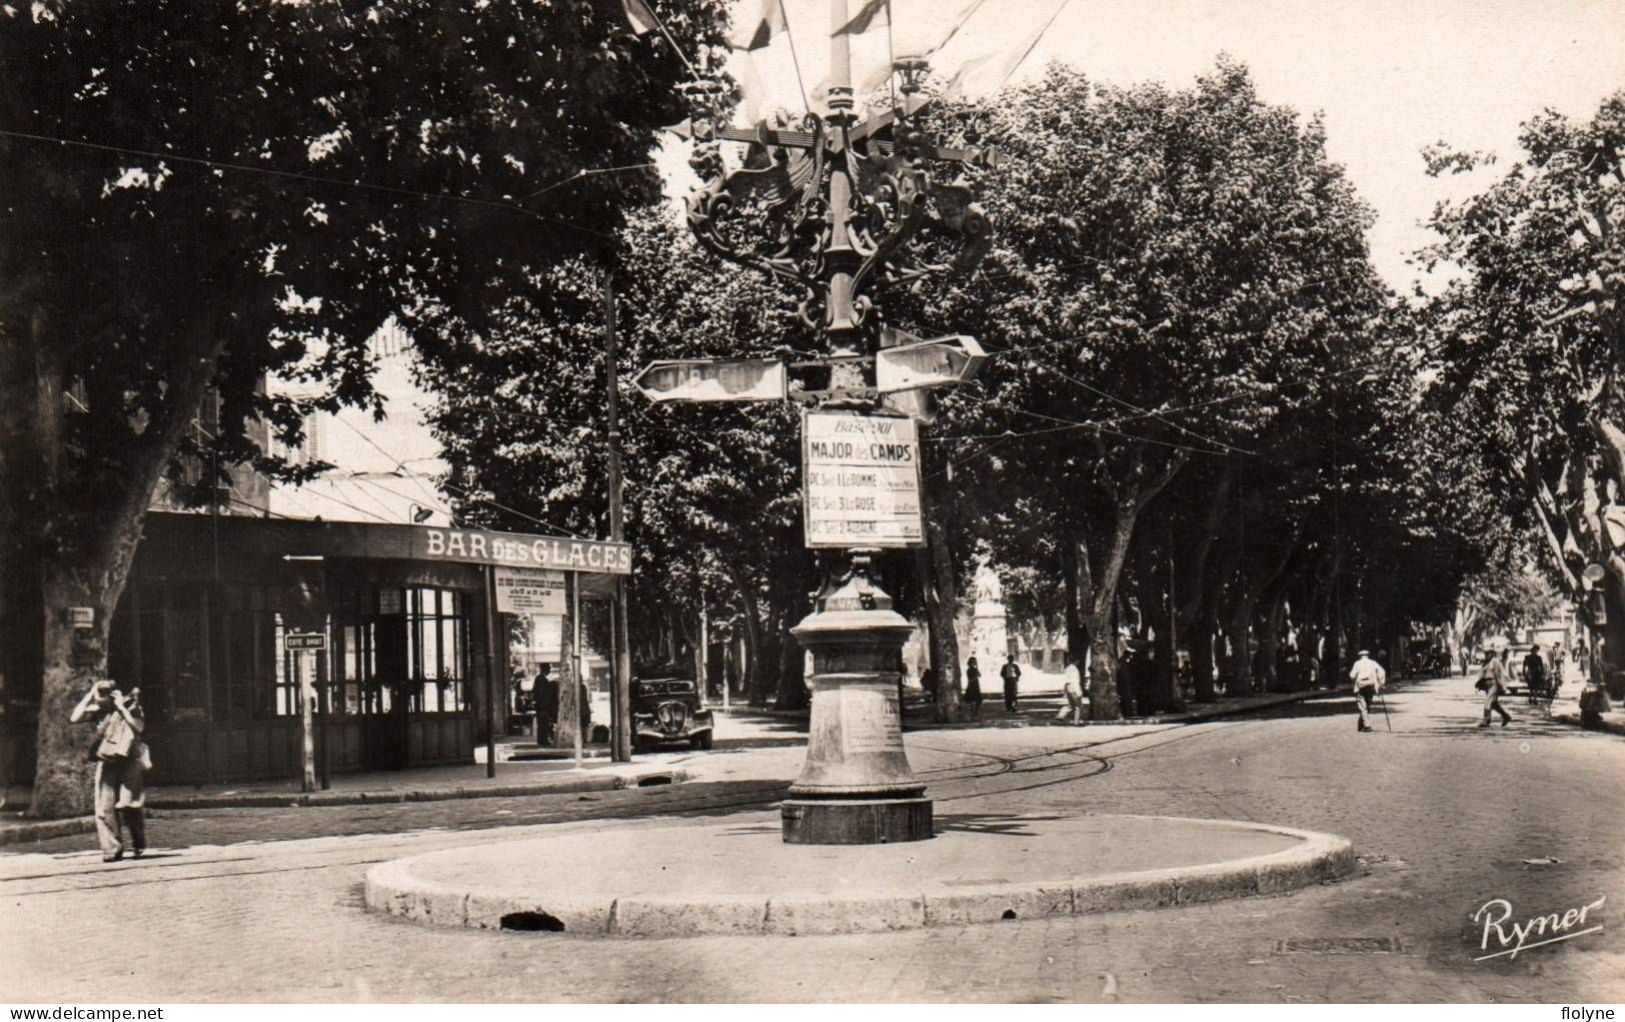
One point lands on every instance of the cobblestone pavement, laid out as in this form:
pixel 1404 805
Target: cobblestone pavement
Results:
pixel 250 905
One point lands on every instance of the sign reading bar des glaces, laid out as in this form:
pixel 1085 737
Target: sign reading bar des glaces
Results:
pixel 509 549
pixel 860 480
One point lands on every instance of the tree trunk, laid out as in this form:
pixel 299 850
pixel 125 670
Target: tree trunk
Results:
pixel 95 549
pixel 792 687
pixel 73 659
pixel 1194 563
pixel 568 725
pixel 1269 645
pixel 1077 632
pixel 756 676
pixel 1238 632
pixel 941 603
pixel 1201 643
pixel 1098 593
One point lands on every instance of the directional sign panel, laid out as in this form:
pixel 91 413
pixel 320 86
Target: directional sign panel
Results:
pixel 753 379
pixel 936 363
pixel 304 640
pixel 861 480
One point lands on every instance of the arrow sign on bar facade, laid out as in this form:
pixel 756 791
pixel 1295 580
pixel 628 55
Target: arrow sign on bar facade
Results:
pixel 752 379
pixel 935 363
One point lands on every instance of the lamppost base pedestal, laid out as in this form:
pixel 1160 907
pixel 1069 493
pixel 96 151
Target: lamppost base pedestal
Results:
pixel 867 821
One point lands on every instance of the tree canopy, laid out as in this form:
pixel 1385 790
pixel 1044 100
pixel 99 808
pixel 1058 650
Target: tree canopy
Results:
pixel 204 193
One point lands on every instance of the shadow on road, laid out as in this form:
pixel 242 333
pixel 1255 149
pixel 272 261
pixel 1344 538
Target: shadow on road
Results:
pixel 1005 824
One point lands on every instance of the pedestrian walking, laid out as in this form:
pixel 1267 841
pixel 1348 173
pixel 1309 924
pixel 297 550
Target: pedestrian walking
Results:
pixel 1072 689
pixel 1368 678
pixel 1011 674
pixel 1534 675
pixel 121 758
pixel 973 688
pixel 545 692
pixel 1492 681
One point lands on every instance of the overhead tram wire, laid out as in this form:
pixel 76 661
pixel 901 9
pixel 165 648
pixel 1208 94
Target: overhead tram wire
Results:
pixel 405 473
pixel 247 168
pixel 371 479
pixel 1136 408
pixel 1106 425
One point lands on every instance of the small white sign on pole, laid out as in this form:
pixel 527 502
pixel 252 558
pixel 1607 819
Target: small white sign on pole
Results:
pixel 751 379
pixel 861 480
pixel 941 362
pixel 529 591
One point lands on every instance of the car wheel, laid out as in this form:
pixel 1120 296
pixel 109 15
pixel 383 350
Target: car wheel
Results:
pixel 643 746
pixel 703 741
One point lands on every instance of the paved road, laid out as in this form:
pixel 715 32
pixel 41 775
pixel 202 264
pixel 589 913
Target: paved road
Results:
pixel 250 906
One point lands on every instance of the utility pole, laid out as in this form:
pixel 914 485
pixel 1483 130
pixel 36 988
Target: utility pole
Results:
pixel 307 702
pixel 495 647
pixel 620 675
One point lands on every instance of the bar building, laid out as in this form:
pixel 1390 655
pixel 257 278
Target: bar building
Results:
pixel 412 657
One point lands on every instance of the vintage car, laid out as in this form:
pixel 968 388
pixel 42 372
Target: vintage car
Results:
pixel 666 708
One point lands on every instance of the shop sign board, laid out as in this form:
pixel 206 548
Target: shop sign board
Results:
pixel 529 591
pixel 509 549
pixel 750 379
pixel 860 480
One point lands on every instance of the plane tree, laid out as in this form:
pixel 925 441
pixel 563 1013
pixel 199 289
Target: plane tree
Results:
pixel 1166 260
pixel 1528 338
pixel 200 194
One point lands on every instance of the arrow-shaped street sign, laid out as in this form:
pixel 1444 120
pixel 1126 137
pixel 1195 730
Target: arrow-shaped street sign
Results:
pixel 751 379
pixel 940 362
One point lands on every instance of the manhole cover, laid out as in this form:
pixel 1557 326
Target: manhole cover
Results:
pixel 1337 946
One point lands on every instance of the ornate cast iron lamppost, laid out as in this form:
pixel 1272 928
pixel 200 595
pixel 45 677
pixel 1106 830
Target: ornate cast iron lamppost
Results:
pixel 832 205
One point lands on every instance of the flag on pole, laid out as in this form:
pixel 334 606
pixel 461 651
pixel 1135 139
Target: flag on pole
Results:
pixel 926 39
pixel 871 14
pixel 757 33
pixel 638 13
pixel 988 72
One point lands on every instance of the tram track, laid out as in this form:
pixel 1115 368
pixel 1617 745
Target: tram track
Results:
pixel 1071 763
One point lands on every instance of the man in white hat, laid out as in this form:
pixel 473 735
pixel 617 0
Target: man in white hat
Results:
pixel 1368 678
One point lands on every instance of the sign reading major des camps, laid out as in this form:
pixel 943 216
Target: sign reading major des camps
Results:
pixel 508 549
pixel 861 480
pixel 530 591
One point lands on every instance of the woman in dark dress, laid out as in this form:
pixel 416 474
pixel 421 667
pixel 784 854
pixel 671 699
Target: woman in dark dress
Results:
pixel 973 687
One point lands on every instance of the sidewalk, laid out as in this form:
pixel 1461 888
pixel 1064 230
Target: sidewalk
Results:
pixel 429 784
pixel 738 732
pixel 1566 710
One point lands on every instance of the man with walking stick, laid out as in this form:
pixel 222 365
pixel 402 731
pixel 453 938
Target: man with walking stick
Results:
pixel 1368 678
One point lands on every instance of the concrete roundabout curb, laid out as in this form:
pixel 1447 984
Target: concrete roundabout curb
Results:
pixel 456 887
